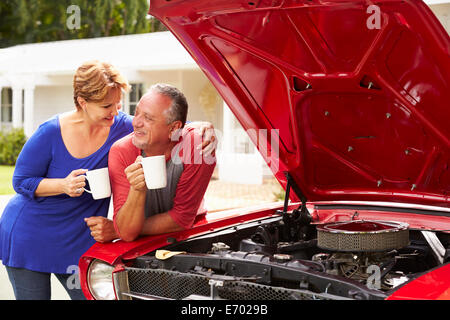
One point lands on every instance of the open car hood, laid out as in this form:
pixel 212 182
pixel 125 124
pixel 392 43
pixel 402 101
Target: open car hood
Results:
pixel 354 97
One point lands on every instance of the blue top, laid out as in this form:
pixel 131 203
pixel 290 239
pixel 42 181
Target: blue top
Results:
pixel 49 234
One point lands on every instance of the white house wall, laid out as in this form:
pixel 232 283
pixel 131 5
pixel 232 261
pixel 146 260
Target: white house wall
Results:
pixel 204 102
pixel 442 12
pixel 154 76
pixel 50 101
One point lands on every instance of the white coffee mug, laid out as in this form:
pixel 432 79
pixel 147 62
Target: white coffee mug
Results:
pixel 155 171
pixel 99 183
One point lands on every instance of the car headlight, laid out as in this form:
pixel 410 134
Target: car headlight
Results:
pixel 100 280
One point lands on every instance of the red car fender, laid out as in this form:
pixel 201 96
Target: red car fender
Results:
pixel 434 285
pixel 114 253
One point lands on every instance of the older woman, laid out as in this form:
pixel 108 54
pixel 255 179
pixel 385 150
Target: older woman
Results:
pixel 43 228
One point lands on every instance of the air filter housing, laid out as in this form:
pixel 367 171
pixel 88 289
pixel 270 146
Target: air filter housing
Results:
pixel 363 235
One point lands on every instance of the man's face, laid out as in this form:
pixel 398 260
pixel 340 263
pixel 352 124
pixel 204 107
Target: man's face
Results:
pixel 151 130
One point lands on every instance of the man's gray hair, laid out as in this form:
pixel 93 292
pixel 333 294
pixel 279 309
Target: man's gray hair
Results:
pixel 179 108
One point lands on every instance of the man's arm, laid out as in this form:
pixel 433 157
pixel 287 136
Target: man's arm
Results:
pixel 129 219
pixel 129 200
pixel 129 193
pixel 190 190
pixel 160 223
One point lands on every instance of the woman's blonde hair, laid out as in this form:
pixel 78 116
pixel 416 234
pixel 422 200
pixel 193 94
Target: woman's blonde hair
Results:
pixel 93 80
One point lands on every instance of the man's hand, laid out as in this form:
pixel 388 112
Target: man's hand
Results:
pixel 102 229
pixel 135 175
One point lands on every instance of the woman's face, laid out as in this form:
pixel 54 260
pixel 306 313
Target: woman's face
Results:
pixel 103 112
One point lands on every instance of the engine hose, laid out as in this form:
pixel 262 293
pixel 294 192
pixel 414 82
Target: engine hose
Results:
pixel 387 266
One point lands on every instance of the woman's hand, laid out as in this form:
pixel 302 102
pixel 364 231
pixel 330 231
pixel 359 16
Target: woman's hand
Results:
pixel 74 183
pixel 102 229
pixel 209 138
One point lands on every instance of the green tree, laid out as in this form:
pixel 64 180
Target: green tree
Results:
pixel 29 21
pixel 11 143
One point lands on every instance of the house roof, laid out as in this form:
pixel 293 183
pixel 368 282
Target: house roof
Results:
pixel 149 51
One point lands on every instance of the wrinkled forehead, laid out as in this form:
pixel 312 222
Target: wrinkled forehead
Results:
pixel 154 103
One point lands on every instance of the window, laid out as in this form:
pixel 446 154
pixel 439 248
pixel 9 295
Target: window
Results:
pixel 6 107
pixel 137 91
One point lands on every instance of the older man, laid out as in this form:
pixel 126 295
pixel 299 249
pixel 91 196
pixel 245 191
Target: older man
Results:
pixel 160 115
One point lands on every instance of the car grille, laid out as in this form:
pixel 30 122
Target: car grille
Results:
pixel 166 284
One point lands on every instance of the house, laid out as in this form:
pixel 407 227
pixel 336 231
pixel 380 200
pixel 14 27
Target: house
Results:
pixel 36 83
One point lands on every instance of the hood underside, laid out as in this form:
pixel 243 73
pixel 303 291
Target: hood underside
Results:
pixel 353 94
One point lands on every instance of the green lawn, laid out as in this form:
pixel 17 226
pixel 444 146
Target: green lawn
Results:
pixel 6 173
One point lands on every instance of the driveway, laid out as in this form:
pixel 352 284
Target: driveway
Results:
pixel 6 291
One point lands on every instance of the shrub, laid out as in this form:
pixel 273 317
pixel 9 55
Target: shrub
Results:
pixel 11 143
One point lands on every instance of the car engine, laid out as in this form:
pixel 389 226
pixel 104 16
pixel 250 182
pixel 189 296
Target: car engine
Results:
pixel 289 257
pixel 361 248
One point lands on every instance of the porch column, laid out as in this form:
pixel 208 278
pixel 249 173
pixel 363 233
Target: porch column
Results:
pixel 28 123
pixel 242 167
pixel 223 157
pixel 227 125
pixel 17 104
pixel 126 103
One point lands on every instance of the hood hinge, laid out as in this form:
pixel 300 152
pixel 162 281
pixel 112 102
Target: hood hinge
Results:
pixel 299 217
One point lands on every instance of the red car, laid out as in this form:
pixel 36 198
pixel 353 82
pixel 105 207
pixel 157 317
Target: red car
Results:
pixel 354 101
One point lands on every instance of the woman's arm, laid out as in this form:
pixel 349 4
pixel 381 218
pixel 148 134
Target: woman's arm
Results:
pixel 33 162
pixel 30 173
pixel 72 185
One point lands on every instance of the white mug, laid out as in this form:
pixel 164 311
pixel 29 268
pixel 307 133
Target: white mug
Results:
pixel 155 171
pixel 99 183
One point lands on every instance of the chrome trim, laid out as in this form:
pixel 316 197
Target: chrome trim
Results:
pixel 121 286
pixel 394 226
pixel 142 296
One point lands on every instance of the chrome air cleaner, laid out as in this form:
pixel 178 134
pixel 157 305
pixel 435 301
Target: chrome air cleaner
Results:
pixel 362 235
